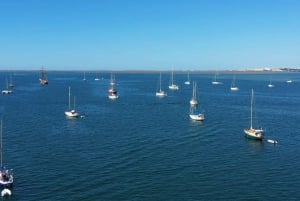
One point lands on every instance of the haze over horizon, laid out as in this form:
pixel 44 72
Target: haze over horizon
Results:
pixel 149 35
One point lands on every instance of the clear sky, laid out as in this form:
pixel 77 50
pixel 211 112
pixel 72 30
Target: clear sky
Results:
pixel 149 34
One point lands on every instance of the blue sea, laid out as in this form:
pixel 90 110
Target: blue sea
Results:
pixel 141 147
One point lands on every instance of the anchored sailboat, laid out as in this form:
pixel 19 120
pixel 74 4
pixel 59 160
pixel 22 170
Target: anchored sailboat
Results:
pixel 71 112
pixel 253 133
pixel 233 86
pixel 188 80
pixel 160 92
pixel 43 77
pixel 112 92
pixel 7 90
pixel 173 86
pixel 6 175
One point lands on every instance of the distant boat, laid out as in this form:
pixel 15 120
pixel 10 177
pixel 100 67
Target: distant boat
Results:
pixel 11 84
pixel 112 92
pixel 252 133
pixel 194 100
pixel 270 85
pixel 196 116
pixel 71 112
pixel 160 92
pixel 97 78
pixel 173 86
pixel 6 175
pixel 272 141
pixel 214 81
pixel 7 90
pixel 84 78
pixel 188 79
pixel 289 81
pixel 233 86
pixel 43 77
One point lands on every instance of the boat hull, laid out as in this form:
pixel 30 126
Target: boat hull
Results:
pixel 161 94
pixel 71 114
pixel 197 117
pixel 253 134
pixel 173 87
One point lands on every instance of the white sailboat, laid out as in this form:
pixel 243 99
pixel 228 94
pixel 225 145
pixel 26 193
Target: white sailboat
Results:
pixel 7 90
pixel 196 116
pixel 270 85
pixel 214 81
pixel 112 92
pixel 160 92
pixel 253 133
pixel 71 112
pixel 233 86
pixel 194 100
pixel 43 77
pixel 188 80
pixel 84 78
pixel 173 86
pixel 6 175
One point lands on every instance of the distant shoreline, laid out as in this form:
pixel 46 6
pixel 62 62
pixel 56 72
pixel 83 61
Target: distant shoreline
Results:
pixel 167 71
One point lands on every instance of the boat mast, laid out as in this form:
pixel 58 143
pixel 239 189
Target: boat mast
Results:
pixel 74 103
pixel 160 82
pixel 69 98
pixel 251 109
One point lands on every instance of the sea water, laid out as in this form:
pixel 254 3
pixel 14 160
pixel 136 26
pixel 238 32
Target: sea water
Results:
pixel 142 147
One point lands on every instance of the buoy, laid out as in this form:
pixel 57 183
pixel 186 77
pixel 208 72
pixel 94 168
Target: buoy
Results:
pixel 272 141
pixel 5 192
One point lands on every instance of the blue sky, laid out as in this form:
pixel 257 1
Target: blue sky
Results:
pixel 149 34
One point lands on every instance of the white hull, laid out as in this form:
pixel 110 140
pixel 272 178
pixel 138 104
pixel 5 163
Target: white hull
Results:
pixel 6 91
pixel 234 88
pixel 254 133
pixel 187 82
pixel 71 113
pixel 289 81
pixel 161 94
pixel 173 87
pixel 113 96
pixel 216 82
pixel 197 117
pixel 270 85
pixel 272 141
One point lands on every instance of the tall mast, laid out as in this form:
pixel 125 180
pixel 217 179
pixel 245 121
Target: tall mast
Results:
pixel 69 98
pixel 251 109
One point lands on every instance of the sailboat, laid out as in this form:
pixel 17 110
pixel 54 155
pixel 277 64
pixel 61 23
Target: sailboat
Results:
pixel 112 92
pixel 97 78
pixel 71 112
pixel 215 82
pixel 84 79
pixel 173 86
pixel 194 100
pixel 6 175
pixel 253 133
pixel 160 92
pixel 43 77
pixel 11 84
pixel 7 90
pixel 233 86
pixel 188 80
pixel 270 84
pixel 196 116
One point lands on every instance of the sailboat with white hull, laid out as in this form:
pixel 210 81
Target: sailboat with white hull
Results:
pixel 233 86
pixel 173 86
pixel 160 92
pixel 194 100
pixel 252 133
pixel 6 175
pixel 71 112
pixel 43 77
pixel 188 80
